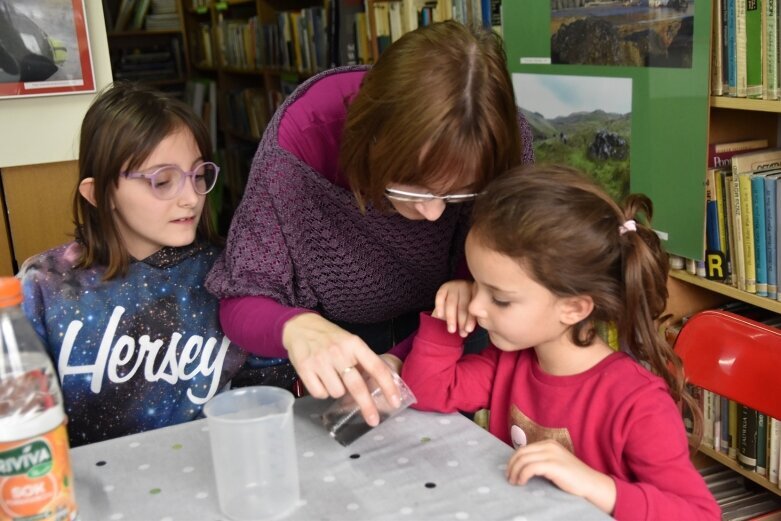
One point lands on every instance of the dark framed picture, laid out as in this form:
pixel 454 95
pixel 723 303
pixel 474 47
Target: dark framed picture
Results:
pixel 44 48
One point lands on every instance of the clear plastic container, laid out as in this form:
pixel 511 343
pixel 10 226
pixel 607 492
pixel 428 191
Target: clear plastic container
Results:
pixel 36 481
pixel 254 452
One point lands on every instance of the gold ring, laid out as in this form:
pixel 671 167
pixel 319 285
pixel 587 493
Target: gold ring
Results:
pixel 347 369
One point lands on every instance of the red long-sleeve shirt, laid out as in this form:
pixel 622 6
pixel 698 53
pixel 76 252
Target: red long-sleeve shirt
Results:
pixel 616 417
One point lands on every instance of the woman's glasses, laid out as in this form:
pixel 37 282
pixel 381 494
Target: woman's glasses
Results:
pixel 168 181
pixel 417 197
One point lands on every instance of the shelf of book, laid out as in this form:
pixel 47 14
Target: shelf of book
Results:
pixel 143 32
pixel 760 105
pixel 732 464
pixel 724 289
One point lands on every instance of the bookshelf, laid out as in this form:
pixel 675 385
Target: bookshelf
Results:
pixel 735 119
pixel 727 290
pixel 389 19
pixel 732 464
pixel 250 54
pixel 147 42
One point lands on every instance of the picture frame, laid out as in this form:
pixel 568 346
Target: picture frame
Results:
pixel 44 48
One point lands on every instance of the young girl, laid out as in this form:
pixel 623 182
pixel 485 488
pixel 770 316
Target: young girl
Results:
pixel 123 311
pixel 552 255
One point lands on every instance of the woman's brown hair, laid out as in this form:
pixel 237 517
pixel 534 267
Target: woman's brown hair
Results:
pixel 437 109
pixel 121 129
pixel 566 232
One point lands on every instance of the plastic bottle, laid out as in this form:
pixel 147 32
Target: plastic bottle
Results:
pixel 36 481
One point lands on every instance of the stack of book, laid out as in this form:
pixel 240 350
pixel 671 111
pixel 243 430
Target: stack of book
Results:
pixel 738 498
pixel 149 63
pixel 163 16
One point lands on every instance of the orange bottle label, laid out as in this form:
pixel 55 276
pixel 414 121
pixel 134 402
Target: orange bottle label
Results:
pixel 36 481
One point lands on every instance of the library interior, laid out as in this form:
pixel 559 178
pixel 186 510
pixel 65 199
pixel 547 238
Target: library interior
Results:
pixel 676 99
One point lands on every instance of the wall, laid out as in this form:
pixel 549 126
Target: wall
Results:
pixel 38 131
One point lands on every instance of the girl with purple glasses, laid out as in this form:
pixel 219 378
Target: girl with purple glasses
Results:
pixel 122 309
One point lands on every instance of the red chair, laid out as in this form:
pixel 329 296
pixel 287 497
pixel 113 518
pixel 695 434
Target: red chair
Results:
pixel 734 357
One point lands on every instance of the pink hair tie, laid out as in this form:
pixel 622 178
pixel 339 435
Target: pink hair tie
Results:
pixel 628 226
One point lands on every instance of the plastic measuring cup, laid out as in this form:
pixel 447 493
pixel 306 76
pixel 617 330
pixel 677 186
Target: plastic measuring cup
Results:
pixel 254 452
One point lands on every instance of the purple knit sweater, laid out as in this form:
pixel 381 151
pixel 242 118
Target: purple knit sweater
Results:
pixel 300 241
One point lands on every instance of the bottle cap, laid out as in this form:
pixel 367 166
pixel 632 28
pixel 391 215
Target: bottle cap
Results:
pixel 10 291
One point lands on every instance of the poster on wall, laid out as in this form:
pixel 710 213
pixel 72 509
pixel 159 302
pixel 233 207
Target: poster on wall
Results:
pixel 44 48
pixel 619 89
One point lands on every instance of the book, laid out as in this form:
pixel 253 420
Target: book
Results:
pixel 760 237
pixel 735 263
pixel 770 47
pixel 723 220
pixel 732 48
pixel 761 444
pixel 737 231
pixel 725 441
pixel 747 230
pixel 142 6
pixel 733 429
pixel 747 437
pixel 124 14
pixel 754 51
pixel 717 73
pixel 720 154
pixel 740 48
pixel 774 448
pixel 707 418
pixel 771 181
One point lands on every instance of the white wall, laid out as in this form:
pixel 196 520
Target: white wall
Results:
pixel 46 129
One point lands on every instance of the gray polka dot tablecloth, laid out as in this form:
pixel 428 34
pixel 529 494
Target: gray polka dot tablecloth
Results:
pixel 414 466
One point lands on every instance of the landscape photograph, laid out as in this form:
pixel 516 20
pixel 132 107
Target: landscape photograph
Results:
pixel 581 121
pixel 634 33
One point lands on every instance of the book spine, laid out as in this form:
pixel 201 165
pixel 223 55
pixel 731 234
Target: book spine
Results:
pixel 730 229
pixel 761 444
pixel 754 48
pixel 716 422
pixel 747 227
pixel 733 429
pixel 774 444
pixel 722 222
pixel 740 48
pixel 770 236
pixel 740 255
pixel 760 243
pixel 771 49
pixel 732 48
pixel 707 417
pixel 724 448
pixel 717 73
pixel 747 437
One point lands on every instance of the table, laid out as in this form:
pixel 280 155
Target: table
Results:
pixel 414 466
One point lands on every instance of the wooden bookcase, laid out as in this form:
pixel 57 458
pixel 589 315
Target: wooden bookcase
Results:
pixel 731 119
pixel 153 56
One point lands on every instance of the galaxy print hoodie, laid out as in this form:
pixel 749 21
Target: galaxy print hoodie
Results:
pixel 134 353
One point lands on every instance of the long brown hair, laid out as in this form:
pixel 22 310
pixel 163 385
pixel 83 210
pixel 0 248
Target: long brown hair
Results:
pixel 565 232
pixel 122 127
pixel 436 109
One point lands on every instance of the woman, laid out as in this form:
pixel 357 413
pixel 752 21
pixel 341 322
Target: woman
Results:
pixel 313 276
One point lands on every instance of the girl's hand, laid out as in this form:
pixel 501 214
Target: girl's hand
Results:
pixel 451 305
pixel 551 460
pixel 330 361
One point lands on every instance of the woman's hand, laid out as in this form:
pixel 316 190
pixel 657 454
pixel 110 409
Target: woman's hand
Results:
pixel 551 460
pixel 451 305
pixel 330 360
